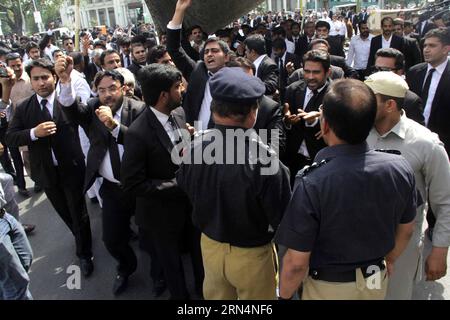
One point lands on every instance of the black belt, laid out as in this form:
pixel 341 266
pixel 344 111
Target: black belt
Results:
pixel 345 276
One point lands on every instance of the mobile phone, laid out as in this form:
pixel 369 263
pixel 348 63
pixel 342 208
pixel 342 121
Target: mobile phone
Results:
pixel 3 72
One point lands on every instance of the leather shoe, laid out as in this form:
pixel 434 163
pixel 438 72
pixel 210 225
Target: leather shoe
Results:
pixel 28 228
pixel 87 266
pixel 24 192
pixel 37 188
pixel 120 284
pixel 159 287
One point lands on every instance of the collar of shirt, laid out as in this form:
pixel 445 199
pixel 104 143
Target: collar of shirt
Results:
pixel 310 92
pixel 399 129
pixel 162 117
pixel 388 40
pixel 78 74
pixel 283 58
pixel 341 150
pixel 24 77
pixel 258 61
pixel 50 99
pixel 439 69
pixel 118 114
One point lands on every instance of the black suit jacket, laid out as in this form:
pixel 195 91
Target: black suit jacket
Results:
pixel 65 143
pixel 149 173
pixel 413 107
pixel 302 46
pixel 412 53
pixel 336 46
pixel 428 26
pixel 90 70
pixel 283 74
pixel 98 134
pixel 134 68
pixel 440 112
pixel 376 43
pixel 339 61
pixel 268 73
pixel 195 73
pixel 295 96
pixel 271 118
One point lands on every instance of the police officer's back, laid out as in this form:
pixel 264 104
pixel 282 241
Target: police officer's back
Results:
pixel 350 210
pixel 238 199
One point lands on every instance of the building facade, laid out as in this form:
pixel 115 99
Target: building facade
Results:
pixel 105 12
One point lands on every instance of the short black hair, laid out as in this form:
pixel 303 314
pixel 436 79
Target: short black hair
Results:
pixel 77 57
pixel 350 108
pixel 222 44
pixel 279 31
pixel 392 53
pixel 257 43
pixel 195 27
pixel 66 38
pixel 124 41
pixel 156 53
pixel 295 23
pixel 385 19
pixel 115 75
pixel 31 45
pixel 12 56
pixel 317 41
pixel 156 78
pixel 321 24
pixel 41 63
pixel 241 62
pixel 318 56
pixel 441 33
pixel 237 110
pixel 360 23
pixel 279 43
pixel 107 53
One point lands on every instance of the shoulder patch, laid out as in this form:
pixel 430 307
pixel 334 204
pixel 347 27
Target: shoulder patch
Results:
pixel 308 169
pixel 397 152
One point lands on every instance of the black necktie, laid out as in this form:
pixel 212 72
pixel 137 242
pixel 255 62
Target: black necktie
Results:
pixel 176 134
pixel 114 156
pixel 128 61
pixel 45 113
pixel 312 101
pixel 426 87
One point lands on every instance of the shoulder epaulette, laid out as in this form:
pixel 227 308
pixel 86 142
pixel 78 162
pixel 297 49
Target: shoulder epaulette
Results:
pixel 308 169
pixel 389 151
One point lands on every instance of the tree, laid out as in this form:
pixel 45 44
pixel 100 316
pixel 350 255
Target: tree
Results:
pixel 19 13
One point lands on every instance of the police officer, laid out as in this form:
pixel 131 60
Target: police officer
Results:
pixel 352 211
pixel 237 205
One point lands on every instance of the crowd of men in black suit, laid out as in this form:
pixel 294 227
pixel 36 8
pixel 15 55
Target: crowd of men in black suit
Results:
pixel 131 116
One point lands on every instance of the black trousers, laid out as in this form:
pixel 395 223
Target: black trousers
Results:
pixel 169 246
pixel 5 160
pixel 18 165
pixel 68 200
pixel 118 208
pixel 295 164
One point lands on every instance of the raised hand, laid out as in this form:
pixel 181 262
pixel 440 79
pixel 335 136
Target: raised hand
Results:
pixel 63 68
pixel 104 114
pixel 45 129
pixel 183 4
pixel 10 79
pixel 290 119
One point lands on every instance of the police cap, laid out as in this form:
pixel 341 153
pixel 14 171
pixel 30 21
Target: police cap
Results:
pixel 234 85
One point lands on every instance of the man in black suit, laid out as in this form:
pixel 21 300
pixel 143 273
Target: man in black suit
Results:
pixel 435 92
pixel 424 26
pixel 139 55
pixel 390 59
pixel 335 43
pixel 431 81
pixel 309 30
pixel 286 62
pixel 337 61
pixel 105 120
pixel 266 68
pixel 301 111
pixel 148 171
pixel 385 40
pixel 411 47
pixel 197 100
pixel 125 52
pixel 56 158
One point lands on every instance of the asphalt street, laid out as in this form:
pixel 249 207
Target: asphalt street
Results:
pixel 52 275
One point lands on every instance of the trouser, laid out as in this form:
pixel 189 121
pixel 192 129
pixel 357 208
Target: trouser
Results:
pixel 371 288
pixel 169 243
pixel 238 273
pixel 18 165
pixel 5 160
pixel 15 260
pixel 9 193
pixel 68 200
pixel 297 163
pixel 118 208
pixel 146 243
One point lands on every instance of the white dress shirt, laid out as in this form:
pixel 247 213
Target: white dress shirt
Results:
pixel 386 43
pixel 205 109
pixel 50 101
pixel 358 52
pixel 164 120
pixel 79 85
pixel 433 86
pixel 290 46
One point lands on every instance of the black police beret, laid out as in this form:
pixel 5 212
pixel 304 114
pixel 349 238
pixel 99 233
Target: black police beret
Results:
pixel 234 85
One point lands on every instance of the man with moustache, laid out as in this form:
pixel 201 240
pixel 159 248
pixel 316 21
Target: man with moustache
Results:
pixel 162 208
pixel 57 162
pixel 105 120
pixel 358 52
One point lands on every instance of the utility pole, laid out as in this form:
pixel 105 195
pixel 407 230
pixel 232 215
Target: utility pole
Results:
pixel 37 16
pixel 77 25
